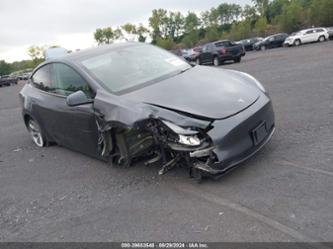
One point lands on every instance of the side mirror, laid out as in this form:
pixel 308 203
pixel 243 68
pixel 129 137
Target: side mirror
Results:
pixel 78 98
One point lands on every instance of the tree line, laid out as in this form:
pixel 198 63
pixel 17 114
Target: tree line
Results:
pixel 36 54
pixel 172 29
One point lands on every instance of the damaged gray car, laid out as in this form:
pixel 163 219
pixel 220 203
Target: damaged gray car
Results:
pixel 134 102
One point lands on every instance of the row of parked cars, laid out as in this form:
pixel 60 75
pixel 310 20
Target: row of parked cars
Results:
pixel 220 51
pixel 7 80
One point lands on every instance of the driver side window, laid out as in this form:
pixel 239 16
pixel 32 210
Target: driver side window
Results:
pixel 67 81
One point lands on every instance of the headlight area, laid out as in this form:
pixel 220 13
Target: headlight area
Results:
pixel 185 146
pixel 184 139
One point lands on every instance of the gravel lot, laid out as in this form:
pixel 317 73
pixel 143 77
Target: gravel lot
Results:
pixel 284 193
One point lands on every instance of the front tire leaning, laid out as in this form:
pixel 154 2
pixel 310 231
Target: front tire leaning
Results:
pixel 36 133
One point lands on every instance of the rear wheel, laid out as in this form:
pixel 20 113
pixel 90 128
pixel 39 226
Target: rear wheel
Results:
pixel 36 133
pixel 216 61
pixel 297 42
pixel 322 39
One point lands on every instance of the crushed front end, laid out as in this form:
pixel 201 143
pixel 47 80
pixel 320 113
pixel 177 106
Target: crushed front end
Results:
pixel 208 148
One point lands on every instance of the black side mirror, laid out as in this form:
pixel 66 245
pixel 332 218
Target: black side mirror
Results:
pixel 78 98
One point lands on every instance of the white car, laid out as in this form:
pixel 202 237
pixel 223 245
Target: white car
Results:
pixel 307 36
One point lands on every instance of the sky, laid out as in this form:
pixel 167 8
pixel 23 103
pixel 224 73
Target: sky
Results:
pixel 71 24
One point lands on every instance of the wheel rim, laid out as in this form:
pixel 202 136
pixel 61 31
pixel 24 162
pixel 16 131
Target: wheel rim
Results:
pixel 216 62
pixel 198 61
pixel 321 39
pixel 35 133
pixel 297 43
pixel 263 48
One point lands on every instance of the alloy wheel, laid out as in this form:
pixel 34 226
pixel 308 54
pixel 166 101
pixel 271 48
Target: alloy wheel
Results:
pixel 216 61
pixel 35 133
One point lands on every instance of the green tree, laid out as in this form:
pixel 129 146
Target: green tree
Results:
pixel 129 28
pixel 158 22
pixel 275 9
pixel 36 52
pixel 241 30
pixel 292 17
pixel 107 35
pixel 167 43
pixel 261 26
pixel 4 68
pixel 229 13
pixel 321 12
pixel 142 31
pixel 261 6
pixel 191 22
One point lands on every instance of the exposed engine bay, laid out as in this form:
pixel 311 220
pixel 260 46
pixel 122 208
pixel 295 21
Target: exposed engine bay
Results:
pixel 160 142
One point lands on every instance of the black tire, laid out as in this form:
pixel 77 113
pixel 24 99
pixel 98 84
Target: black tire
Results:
pixel 238 59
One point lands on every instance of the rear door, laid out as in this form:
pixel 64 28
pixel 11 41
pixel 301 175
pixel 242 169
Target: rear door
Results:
pixel 205 54
pixel 309 36
pixel 320 32
pixel 233 48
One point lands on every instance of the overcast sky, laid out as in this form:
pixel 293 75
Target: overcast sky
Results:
pixel 71 23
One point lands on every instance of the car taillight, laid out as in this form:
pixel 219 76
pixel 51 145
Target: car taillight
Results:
pixel 223 51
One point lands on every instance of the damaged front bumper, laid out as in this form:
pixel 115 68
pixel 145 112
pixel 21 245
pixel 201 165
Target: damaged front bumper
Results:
pixel 236 139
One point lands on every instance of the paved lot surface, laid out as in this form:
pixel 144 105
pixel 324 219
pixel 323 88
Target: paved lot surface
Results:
pixel 282 194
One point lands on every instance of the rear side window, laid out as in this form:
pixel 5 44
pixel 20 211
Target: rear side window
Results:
pixel 42 78
pixel 319 30
pixel 309 32
pixel 66 81
pixel 223 44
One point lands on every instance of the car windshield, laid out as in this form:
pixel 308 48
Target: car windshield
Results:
pixel 128 67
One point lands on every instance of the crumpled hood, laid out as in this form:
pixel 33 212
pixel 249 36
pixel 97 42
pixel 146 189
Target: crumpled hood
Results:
pixel 201 91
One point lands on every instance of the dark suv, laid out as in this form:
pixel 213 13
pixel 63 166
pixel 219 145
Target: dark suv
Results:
pixel 217 52
pixel 273 41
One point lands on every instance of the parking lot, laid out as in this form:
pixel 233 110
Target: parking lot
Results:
pixel 284 193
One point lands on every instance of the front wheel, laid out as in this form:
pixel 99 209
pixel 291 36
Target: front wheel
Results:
pixel 263 48
pixel 36 133
pixel 216 61
pixel 297 43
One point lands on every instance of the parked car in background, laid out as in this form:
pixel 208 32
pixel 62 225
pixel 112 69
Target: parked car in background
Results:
pixel 190 54
pixel 7 80
pixel 307 36
pixel 273 41
pixel 24 76
pixel 330 32
pixel 248 43
pixel 217 52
